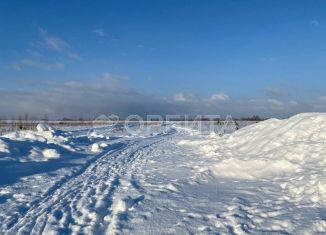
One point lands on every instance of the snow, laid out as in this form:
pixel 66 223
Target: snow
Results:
pixel 30 146
pixel 44 133
pixel 50 153
pixel 96 148
pixel 3 147
pixel 292 150
pixel 252 169
pixel 42 127
pixel 266 178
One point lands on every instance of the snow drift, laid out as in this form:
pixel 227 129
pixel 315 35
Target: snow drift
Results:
pixel 41 145
pixel 267 178
pixel 3 146
pixel 290 152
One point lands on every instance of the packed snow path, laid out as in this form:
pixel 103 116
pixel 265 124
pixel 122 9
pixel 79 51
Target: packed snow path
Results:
pixel 167 180
pixel 85 199
pixel 82 201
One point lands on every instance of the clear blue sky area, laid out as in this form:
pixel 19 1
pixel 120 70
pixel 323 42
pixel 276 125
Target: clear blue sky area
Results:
pixel 163 56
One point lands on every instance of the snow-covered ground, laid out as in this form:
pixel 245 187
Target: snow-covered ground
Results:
pixel 267 178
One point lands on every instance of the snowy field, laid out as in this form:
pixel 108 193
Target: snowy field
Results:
pixel 266 178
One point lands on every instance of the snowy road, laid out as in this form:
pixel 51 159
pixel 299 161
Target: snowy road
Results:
pixel 165 180
pixel 82 202
pixel 86 198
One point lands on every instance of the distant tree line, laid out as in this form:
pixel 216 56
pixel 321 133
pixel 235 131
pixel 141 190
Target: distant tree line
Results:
pixel 256 118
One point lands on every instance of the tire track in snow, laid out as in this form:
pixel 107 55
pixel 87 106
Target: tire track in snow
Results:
pixel 57 193
pixel 61 182
pixel 80 204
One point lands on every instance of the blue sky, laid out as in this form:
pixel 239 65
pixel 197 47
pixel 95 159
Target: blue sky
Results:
pixel 242 58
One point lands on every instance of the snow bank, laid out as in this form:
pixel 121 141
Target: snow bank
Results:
pixel 41 127
pixel 291 152
pixel 3 147
pixel 94 134
pixel 44 144
pixel 44 133
pixel 26 146
pixel 98 147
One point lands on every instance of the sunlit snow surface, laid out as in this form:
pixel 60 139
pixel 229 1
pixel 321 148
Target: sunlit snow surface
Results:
pixel 267 178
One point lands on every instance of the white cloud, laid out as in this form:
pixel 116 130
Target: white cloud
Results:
pixel 42 65
pixel 322 98
pixel 180 97
pixel 108 94
pixel 275 92
pixel 275 102
pixel 115 78
pixel 219 97
pixel 16 67
pixel 99 32
pixel 57 44
pixel 37 58
pixel 80 98
pixel 34 53
pixel 293 102
pixel 315 23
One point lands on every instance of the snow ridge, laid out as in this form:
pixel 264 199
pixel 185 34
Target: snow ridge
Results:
pixel 291 152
